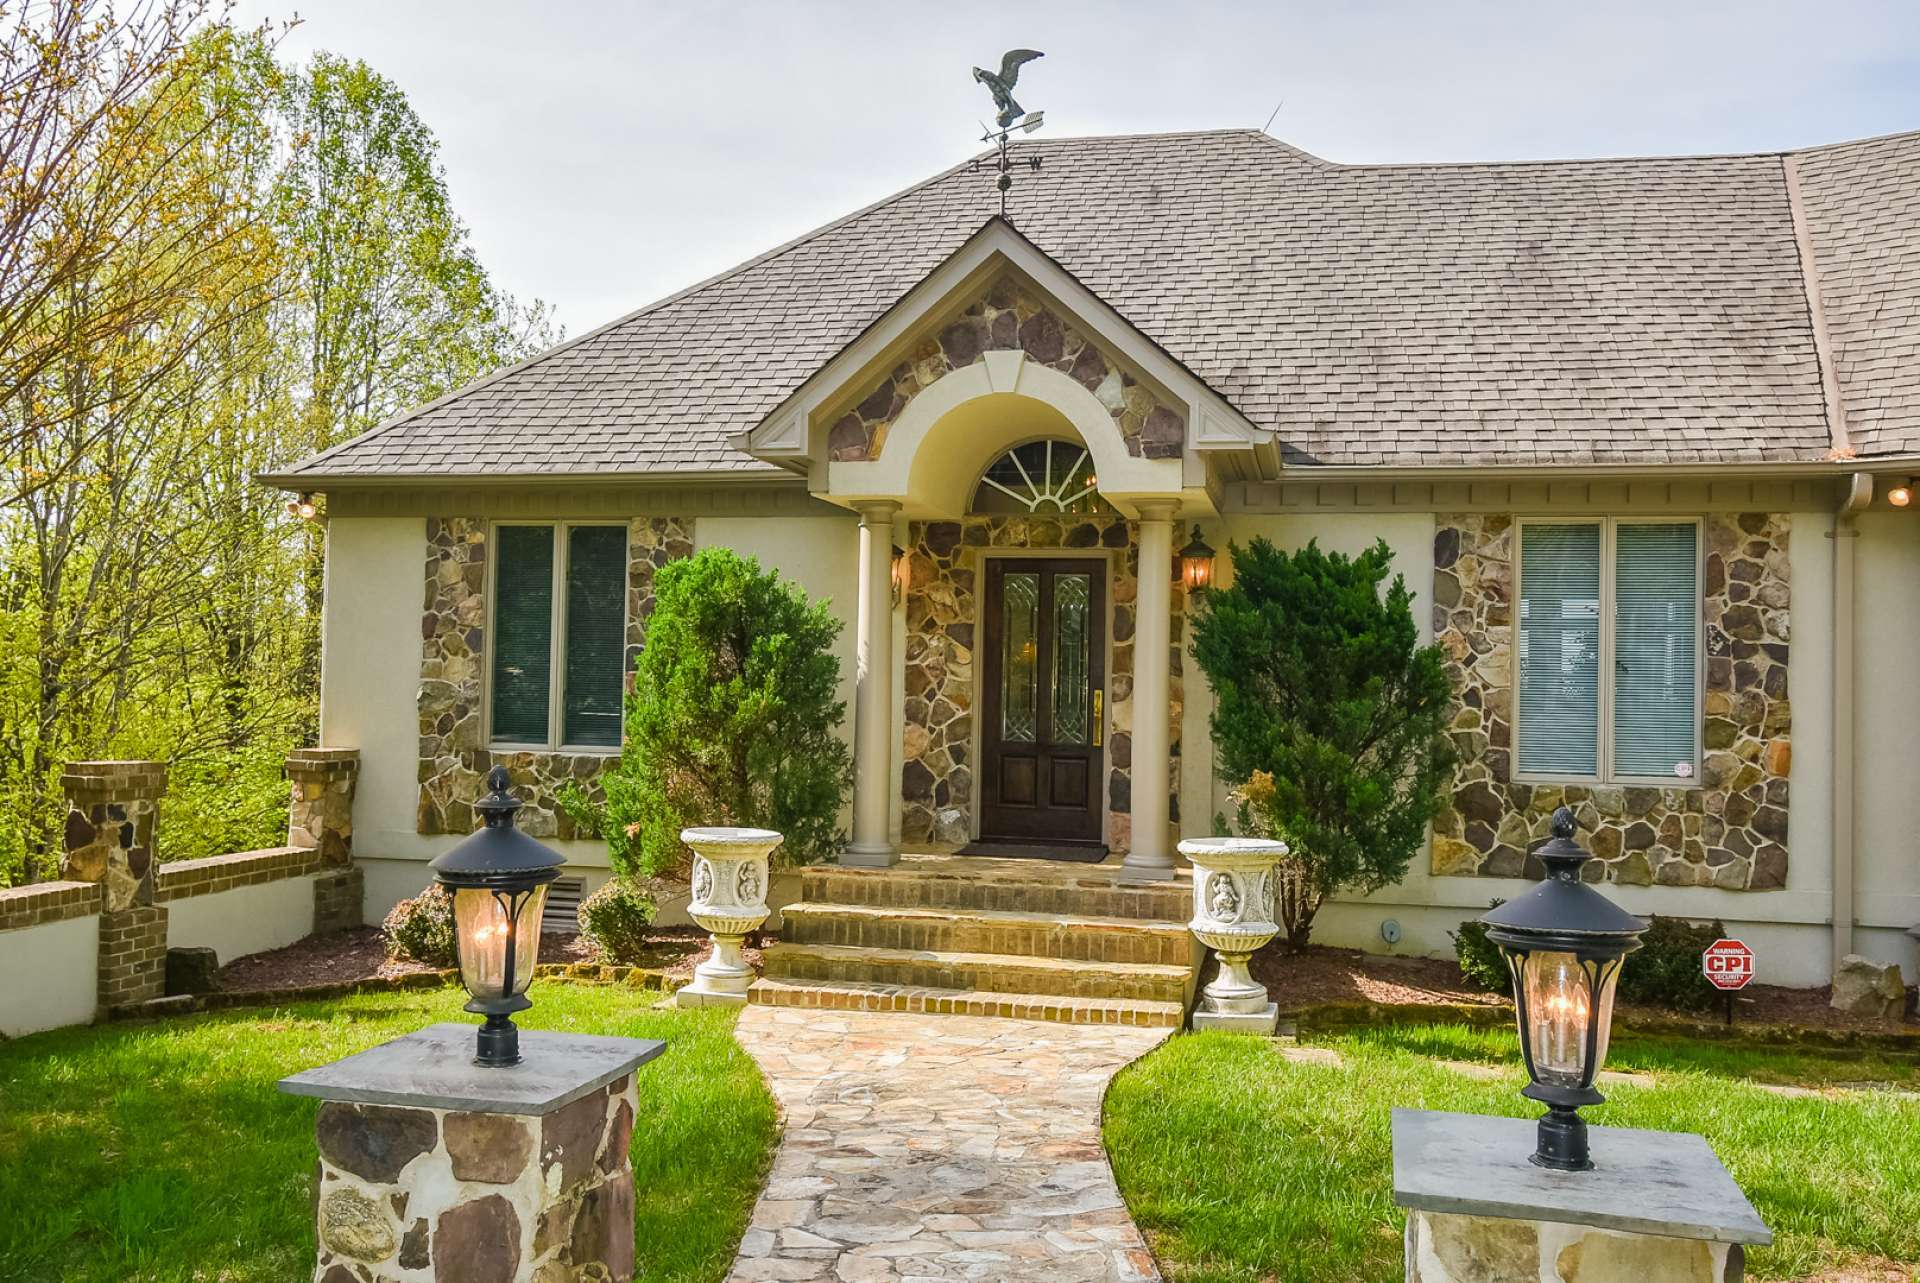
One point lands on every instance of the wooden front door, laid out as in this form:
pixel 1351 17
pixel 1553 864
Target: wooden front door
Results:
pixel 1044 644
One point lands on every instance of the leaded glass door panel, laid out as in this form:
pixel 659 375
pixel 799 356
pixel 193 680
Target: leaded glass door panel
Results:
pixel 1042 741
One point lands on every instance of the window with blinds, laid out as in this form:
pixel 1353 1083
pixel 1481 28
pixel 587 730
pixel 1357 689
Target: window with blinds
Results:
pixel 1656 640
pixel 522 634
pixel 559 635
pixel 1558 729
pixel 1608 650
pixel 596 634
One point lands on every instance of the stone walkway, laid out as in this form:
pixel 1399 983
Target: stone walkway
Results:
pixel 939 1147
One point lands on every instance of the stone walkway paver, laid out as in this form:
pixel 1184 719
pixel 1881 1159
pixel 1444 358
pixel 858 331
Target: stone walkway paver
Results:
pixel 939 1147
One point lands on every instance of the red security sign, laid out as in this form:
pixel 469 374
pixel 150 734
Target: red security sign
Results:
pixel 1728 964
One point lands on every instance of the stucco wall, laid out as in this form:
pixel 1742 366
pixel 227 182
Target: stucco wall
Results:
pixel 1887 726
pixel 1409 535
pixel 248 919
pixel 1789 927
pixel 368 702
pixel 52 975
pixel 819 554
pixel 370 673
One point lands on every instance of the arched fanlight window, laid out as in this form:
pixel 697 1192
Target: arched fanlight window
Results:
pixel 1040 477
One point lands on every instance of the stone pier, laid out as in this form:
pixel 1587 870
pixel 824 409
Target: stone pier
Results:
pixel 320 816
pixel 1656 1206
pixel 434 1169
pixel 113 816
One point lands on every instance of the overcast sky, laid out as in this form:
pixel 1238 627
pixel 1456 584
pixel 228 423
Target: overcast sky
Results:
pixel 606 154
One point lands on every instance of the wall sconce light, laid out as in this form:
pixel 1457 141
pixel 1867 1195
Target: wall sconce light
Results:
pixel 902 573
pixel 1900 494
pixel 1196 564
pixel 303 508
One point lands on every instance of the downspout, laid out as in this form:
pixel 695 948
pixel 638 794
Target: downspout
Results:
pixel 1859 494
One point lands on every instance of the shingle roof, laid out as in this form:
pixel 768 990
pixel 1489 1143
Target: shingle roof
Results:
pixel 1613 311
pixel 1863 216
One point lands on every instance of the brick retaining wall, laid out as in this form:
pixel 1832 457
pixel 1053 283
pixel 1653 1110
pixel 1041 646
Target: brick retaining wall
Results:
pixel 225 872
pixel 113 811
pixel 44 902
pixel 133 955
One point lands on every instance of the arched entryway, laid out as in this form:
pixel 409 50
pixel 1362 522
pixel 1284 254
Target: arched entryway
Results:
pixel 1026 522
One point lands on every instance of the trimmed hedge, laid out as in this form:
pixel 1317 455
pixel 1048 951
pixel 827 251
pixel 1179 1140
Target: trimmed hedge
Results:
pixel 1663 972
pixel 422 928
pixel 614 920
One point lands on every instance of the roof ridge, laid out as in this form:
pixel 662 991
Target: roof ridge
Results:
pixel 1855 142
pixel 1764 154
pixel 1807 253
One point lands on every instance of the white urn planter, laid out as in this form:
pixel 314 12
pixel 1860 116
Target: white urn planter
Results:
pixel 1233 895
pixel 730 879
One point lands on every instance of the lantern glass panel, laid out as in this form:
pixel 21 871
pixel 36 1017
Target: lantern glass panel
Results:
pixel 481 921
pixel 1561 1004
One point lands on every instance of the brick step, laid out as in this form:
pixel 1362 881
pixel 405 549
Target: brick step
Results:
pixel 994 972
pixel 853 995
pixel 1032 935
pixel 997 887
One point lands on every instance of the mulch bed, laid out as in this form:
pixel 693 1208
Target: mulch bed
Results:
pixel 1322 977
pixel 360 954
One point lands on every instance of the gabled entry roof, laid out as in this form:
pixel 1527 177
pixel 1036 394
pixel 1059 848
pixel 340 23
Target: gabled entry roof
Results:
pixel 795 430
pixel 1611 312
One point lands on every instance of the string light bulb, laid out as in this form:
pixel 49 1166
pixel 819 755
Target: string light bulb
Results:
pixel 1901 493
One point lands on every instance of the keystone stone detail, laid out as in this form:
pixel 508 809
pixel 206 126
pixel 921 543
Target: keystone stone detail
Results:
pixel 1007 319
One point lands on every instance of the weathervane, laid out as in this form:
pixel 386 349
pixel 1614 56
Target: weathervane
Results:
pixel 1000 85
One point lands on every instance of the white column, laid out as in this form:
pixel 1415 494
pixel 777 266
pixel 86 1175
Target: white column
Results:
pixel 1152 854
pixel 873 729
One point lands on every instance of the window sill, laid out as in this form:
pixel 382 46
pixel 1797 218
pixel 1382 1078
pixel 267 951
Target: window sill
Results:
pixel 1690 784
pixel 559 750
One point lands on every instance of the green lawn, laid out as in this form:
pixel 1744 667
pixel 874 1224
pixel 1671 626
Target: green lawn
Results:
pixel 161 1151
pixel 1243 1167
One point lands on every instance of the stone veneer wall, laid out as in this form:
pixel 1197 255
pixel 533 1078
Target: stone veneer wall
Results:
pixel 454 757
pixel 446 1195
pixel 1730 830
pixel 1006 318
pixel 938 783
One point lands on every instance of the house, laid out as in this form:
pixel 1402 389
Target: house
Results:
pixel 1639 432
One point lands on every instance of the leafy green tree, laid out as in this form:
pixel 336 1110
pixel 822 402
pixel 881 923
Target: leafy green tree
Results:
pixel 106 551
pixel 1330 718
pixel 395 308
pixel 731 719
pixel 212 263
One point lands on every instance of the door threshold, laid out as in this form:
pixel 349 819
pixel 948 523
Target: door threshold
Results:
pixel 1066 852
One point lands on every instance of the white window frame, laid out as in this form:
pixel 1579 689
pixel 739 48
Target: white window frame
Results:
pixel 557 641
pixel 1603 755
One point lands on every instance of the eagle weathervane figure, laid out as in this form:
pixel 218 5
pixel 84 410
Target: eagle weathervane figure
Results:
pixel 1000 85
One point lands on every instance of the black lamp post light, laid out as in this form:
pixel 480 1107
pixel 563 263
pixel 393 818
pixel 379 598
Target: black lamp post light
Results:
pixel 499 879
pixel 1565 943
